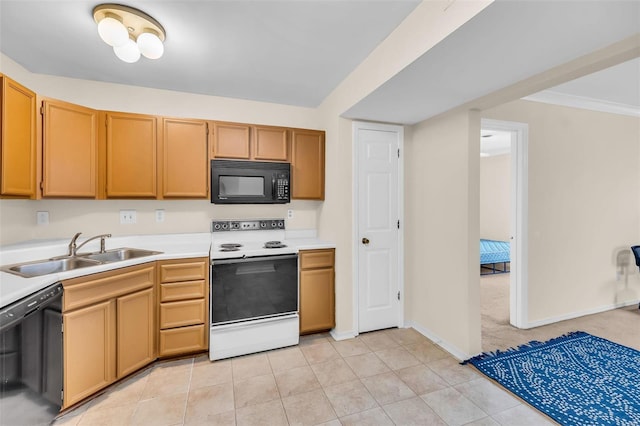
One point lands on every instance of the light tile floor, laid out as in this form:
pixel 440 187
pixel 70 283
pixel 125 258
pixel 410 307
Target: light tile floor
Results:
pixel 386 377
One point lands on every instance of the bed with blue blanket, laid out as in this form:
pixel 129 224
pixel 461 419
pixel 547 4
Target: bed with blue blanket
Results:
pixel 495 257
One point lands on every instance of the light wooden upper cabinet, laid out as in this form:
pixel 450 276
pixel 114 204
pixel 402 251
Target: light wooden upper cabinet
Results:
pixel 69 153
pixel 185 164
pixel 231 140
pixel 131 152
pixel 270 143
pixel 307 164
pixel 17 139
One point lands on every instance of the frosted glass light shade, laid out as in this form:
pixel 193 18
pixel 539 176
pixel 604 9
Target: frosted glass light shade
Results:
pixel 128 52
pixel 113 32
pixel 150 45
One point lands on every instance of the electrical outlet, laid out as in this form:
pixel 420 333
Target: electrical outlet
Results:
pixel 159 215
pixel 127 217
pixel 42 218
pixel 289 214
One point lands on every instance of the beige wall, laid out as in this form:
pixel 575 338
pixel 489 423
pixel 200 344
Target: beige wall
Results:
pixel 18 217
pixel 584 206
pixel 442 281
pixel 495 196
pixel 426 26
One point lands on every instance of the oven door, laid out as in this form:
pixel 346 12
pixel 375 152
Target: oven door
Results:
pixel 253 288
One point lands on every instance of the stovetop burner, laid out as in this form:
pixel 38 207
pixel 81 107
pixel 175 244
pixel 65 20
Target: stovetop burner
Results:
pixel 230 246
pixel 229 249
pixel 274 244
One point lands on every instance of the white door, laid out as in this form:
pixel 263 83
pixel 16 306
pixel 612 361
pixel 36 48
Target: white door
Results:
pixel 378 221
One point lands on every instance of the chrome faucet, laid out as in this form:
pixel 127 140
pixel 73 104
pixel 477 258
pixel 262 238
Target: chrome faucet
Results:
pixel 73 248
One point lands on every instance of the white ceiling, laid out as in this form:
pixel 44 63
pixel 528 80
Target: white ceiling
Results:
pixel 507 42
pixel 288 52
pixel 297 51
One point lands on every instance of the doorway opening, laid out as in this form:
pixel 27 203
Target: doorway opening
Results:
pixel 509 219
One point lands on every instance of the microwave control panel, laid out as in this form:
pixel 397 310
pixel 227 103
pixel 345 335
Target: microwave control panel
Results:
pixel 282 187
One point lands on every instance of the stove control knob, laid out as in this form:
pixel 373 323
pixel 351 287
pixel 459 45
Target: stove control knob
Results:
pixel 273 225
pixel 263 224
pixel 281 224
pixel 225 225
pixel 216 226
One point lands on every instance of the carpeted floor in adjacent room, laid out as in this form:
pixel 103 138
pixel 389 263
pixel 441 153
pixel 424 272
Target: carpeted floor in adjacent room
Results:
pixel 619 325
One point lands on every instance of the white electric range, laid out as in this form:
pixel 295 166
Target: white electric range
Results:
pixel 254 288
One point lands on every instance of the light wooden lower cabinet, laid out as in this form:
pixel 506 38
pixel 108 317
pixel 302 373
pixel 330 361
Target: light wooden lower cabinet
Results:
pixel 109 322
pixel 89 350
pixel 317 290
pixel 136 331
pixel 184 288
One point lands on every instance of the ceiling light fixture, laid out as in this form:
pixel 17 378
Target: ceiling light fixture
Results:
pixel 129 31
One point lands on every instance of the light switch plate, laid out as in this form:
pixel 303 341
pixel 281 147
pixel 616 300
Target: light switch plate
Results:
pixel 42 218
pixel 160 215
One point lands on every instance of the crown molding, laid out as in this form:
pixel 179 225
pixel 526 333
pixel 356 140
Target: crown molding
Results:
pixel 557 98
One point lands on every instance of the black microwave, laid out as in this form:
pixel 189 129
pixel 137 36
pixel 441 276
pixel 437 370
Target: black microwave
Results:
pixel 250 182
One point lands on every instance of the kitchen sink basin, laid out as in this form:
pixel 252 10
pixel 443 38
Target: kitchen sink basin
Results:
pixel 52 266
pixel 65 263
pixel 117 255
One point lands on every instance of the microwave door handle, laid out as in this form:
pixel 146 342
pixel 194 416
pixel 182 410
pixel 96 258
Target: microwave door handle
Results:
pixel 273 187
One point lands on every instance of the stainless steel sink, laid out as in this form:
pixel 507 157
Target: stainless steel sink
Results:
pixel 117 255
pixel 52 266
pixel 62 264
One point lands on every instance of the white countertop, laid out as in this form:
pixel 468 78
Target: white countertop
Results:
pixel 172 246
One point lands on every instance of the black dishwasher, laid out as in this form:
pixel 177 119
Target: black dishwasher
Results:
pixel 31 358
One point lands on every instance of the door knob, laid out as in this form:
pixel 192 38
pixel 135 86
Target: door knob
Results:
pixel 365 241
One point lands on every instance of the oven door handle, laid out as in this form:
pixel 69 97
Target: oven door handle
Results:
pixel 253 259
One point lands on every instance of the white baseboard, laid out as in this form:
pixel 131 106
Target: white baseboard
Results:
pixel 573 315
pixel 344 335
pixel 452 349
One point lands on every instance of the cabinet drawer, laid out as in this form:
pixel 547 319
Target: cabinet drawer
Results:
pixel 183 271
pixel 310 259
pixel 108 285
pixel 182 340
pixel 170 292
pixel 179 314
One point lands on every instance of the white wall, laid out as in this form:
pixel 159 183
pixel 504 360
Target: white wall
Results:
pixel 495 197
pixel 584 206
pixel 442 160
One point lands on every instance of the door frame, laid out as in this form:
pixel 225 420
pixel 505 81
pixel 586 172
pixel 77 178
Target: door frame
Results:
pixel 356 127
pixel 519 208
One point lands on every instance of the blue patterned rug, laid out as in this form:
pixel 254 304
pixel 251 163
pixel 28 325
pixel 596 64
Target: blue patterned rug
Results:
pixel 576 379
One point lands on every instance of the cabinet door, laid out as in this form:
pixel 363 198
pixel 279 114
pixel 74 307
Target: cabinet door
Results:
pixel 270 143
pixel 317 310
pixel 17 139
pixel 69 150
pixel 307 164
pixel 231 140
pixel 89 350
pixel 135 331
pixel 131 156
pixel 185 161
